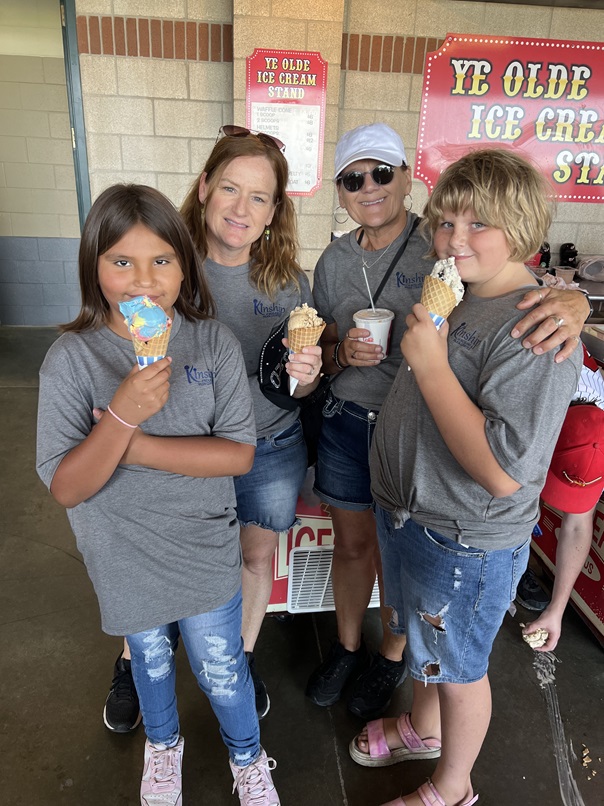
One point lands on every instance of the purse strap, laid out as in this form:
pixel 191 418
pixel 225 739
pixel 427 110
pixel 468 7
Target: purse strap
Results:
pixel 395 260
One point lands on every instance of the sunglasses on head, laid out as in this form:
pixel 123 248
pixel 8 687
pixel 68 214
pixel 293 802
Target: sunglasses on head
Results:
pixel 241 131
pixel 354 181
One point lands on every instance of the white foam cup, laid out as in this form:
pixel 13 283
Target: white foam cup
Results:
pixel 379 323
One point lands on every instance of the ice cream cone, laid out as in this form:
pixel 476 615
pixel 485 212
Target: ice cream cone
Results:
pixel 437 297
pixel 304 337
pixel 147 352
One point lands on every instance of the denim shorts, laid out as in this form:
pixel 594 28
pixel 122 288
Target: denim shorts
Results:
pixel 268 494
pixel 465 590
pixel 342 470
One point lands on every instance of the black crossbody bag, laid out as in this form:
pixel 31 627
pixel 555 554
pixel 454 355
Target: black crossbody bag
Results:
pixel 273 378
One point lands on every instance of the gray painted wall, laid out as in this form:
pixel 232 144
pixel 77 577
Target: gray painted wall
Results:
pixel 38 280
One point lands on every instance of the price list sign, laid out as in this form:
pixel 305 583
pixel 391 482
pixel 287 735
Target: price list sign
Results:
pixel 285 97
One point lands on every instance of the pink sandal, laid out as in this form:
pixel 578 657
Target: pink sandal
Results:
pixel 429 797
pixel 380 754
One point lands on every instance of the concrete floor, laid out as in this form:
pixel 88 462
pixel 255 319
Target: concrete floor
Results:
pixel 56 666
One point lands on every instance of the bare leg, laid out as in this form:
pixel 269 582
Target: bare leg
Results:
pixel 425 718
pixel 353 571
pixel 465 713
pixel 126 654
pixel 258 547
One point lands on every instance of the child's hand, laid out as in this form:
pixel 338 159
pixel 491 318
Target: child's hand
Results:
pixel 547 621
pixel 423 346
pixel 143 393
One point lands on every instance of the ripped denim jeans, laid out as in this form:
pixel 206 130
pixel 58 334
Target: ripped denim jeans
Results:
pixel 215 650
pixel 449 599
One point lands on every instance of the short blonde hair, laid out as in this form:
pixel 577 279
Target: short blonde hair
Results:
pixel 504 191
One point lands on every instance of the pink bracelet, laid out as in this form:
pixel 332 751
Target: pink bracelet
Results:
pixel 119 419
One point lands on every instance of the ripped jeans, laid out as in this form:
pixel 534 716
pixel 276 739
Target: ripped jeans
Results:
pixel 449 599
pixel 215 650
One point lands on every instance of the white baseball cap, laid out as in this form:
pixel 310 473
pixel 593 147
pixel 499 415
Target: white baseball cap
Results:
pixel 376 141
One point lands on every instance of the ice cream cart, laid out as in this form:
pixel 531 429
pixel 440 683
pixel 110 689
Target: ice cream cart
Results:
pixel 302 562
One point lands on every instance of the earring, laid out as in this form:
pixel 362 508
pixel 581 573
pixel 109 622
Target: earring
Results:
pixel 343 216
pixel 410 197
pixel 267 234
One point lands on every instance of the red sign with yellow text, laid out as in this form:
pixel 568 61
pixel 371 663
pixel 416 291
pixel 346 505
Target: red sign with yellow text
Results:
pixel 541 97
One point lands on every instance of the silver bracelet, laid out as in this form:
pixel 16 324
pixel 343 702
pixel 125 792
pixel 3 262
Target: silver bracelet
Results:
pixel 335 356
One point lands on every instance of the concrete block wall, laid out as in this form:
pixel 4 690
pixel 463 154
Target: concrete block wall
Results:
pixel 38 280
pixel 159 78
pixel 37 186
pixel 157 84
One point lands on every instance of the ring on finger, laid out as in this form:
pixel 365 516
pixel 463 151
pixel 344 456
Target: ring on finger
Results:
pixel 310 370
pixel 558 320
pixel 540 296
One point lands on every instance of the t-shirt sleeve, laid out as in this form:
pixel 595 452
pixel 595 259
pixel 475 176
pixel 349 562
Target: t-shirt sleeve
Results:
pixel 522 433
pixel 64 415
pixel 234 413
pixel 319 290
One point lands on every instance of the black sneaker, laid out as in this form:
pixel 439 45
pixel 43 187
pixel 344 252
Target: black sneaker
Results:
pixel 263 702
pixel 122 713
pixel 530 594
pixel 373 690
pixel 325 684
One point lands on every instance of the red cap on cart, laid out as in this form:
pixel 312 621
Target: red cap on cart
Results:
pixel 575 478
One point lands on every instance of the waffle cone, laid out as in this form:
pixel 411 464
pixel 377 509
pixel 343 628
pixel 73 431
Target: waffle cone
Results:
pixel 304 337
pixel 437 297
pixel 157 346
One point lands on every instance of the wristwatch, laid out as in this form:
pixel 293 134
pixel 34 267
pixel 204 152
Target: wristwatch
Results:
pixel 591 307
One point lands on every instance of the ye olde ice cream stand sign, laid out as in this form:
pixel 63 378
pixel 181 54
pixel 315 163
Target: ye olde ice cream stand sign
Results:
pixel 543 97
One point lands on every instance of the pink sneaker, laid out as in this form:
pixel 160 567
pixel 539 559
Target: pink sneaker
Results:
pixel 162 775
pixel 254 783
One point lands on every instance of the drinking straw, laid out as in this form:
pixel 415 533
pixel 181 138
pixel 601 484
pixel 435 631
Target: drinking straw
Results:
pixel 368 289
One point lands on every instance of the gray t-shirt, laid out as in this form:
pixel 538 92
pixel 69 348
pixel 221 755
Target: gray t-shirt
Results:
pixel 251 315
pixel 158 546
pixel 339 290
pixel 524 398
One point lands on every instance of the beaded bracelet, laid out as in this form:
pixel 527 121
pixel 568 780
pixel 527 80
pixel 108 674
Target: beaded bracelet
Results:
pixel 335 356
pixel 119 419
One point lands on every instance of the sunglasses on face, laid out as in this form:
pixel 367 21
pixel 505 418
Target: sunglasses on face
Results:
pixel 241 131
pixel 579 481
pixel 354 181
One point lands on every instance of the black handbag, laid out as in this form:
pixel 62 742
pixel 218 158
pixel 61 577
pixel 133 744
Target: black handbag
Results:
pixel 274 380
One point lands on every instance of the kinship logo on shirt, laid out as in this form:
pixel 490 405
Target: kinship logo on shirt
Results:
pixel 464 338
pixel 414 281
pixel 268 311
pixel 202 377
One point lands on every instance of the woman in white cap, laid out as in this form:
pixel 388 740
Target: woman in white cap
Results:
pixel 374 186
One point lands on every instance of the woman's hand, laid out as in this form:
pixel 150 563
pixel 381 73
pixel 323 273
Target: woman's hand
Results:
pixel 356 353
pixel 423 346
pixel 559 314
pixel 305 366
pixel 143 393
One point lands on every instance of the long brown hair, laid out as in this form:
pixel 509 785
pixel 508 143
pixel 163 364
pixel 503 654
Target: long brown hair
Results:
pixel 273 262
pixel 113 214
